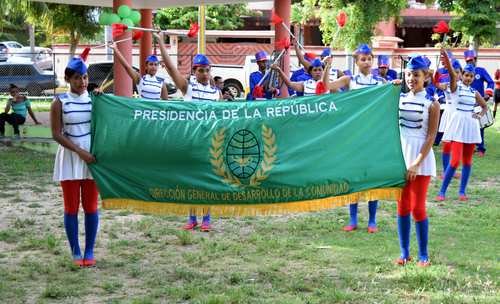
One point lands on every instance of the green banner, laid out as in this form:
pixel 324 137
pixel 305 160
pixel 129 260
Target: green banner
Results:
pixel 246 158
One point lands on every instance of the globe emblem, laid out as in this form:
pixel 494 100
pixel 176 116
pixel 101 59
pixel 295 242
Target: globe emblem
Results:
pixel 243 154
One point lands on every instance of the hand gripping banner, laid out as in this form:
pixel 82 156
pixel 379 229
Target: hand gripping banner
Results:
pixel 248 158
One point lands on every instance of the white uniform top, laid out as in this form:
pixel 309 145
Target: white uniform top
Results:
pixel 333 74
pixel 414 124
pixel 448 109
pixel 149 87
pixel 76 115
pixel 361 81
pixel 200 92
pixel 310 87
pixel 462 127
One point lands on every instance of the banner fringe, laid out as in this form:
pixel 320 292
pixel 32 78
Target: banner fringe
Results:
pixel 182 209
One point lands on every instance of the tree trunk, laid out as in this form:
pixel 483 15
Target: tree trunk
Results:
pixel 476 44
pixel 74 40
pixel 32 41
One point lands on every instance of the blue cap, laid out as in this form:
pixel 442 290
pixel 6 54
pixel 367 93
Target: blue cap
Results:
pixel 261 56
pixel 427 61
pixel 326 52
pixel 383 61
pixel 78 65
pixel 470 68
pixel 469 54
pixel 417 62
pixel 455 64
pixel 363 49
pixel 200 59
pixel 316 63
pixel 152 58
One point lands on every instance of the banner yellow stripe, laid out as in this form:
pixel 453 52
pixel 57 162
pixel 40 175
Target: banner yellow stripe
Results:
pixel 182 209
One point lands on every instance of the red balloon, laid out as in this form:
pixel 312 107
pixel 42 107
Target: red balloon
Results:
pixel 275 19
pixel 193 30
pixel 283 43
pixel 136 34
pixel 441 27
pixel 320 88
pixel 118 29
pixel 341 18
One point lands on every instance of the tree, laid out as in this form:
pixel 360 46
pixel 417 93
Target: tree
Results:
pixel 362 17
pixel 75 21
pixel 476 20
pixel 18 15
pixel 218 17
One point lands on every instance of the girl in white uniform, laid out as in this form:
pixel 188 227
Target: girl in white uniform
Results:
pixel 363 79
pixel 197 89
pixel 70 116
pixel 418 120
pixel 462 130
pixel 445 118
pixel 149 86
pixel 308 87
pixel 333 73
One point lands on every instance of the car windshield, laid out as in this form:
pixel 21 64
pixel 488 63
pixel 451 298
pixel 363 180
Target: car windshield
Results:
pixel 14 45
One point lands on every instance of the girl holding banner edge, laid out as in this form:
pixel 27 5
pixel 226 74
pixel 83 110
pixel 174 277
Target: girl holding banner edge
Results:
pixel 197 88
pixel 364 79
pixel 70 116
pixel 418 120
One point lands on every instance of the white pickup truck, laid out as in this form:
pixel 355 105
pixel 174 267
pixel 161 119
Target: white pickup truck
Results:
pixel 236 76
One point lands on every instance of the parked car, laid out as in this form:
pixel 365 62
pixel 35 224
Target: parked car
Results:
pixel 103 71
pixel 235 77
pixel 28 77
pixel 42 57
pixel 8 48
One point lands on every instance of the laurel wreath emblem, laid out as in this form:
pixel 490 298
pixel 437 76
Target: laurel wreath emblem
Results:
pixel 262 173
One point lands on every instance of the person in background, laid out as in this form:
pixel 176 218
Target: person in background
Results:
pixel 301 75
pixel 149 86
pixel 333 73
pixel 462 130
pixel 219 82
pixel 383 70
pixel 480 77
pixel 262 60
pixel 307 87
pixel 194 89
pixel 441 82
pixel 20 106
pixel 448 109
pixel 226 92
pixel 497 91
pixel 364 79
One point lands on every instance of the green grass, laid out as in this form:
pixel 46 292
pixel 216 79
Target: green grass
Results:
pixel 302 258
